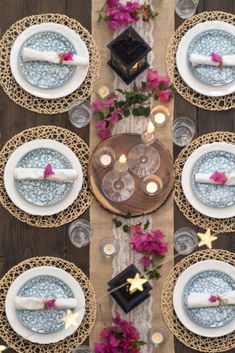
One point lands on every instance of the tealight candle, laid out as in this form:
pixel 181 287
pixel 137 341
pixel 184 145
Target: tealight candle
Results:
pixel 103 92
pixel 152 185
pixel 104 156
pixel 160 115
pixel 105 160
pixel 157 336
pixel 109 247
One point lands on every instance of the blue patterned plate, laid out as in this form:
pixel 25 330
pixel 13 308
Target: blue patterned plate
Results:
pixel 210 194
pixel 41 73
pixel 217 41
pixel 44 321
pixel 211 282
pixel 43 192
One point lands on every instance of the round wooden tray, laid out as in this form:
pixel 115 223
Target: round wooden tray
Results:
pixel 140 203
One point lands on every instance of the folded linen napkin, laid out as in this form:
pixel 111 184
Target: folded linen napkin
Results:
pixel 206 178
pixel 203 300
pixel 29 54
pixel 31 303
pixel 197 59
pixel 66 175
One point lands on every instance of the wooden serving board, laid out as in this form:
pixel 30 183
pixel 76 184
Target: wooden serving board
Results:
pixel 140 203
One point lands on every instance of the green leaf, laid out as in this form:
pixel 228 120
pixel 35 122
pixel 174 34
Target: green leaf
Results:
pixel 101 115
pixel 126 112
pixel 141 111
pixel 117 222
pixel 162 86
pixel 126 228
pixel 158 257
pixel 120 90
pixel 146 225
pixel 128 215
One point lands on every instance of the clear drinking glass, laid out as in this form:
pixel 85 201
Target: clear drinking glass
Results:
pixel 157 336
pixel 82 349
pixel 109 247
pixel 80 114
pixel 183 130
pixel 186 8
pixel 185 240
pixel 80 232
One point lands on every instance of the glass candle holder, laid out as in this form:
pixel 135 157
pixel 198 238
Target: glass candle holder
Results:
pixel 157 336
pixel 160 115
pixel 109 247
pixel 82 349
pixel 185 240
pixel 80 232
pixel 103 88
pixel 152 185
pixel 186 8
pixel 80 114
pixel 183 130
pixel 104 157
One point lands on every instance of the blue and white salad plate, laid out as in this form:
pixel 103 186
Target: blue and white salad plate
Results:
pixel 44 321
pixel 217 41
pixel 44 192
pixel 62 80
pixel 32 196
pixel 43 326
pixel 205 276
pixel 210 194
pixel 211 282
pixel 41 73
pixel 197 39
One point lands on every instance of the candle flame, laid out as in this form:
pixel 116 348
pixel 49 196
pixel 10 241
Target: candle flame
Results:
pixel 122 158
pixel 151 128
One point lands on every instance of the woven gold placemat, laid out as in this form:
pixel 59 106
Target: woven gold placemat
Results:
pixel 199 343
pixel 23 98
pixel 18 343
pixel 82 151
pixel 210 103
pixel 216 225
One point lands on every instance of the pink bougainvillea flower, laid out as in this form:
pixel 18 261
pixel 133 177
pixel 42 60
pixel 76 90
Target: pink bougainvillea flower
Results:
pixel 112 3
pixel 51 303
pixel 216 58
pixel 219 177
pixel 136 228
pixel 66 56
pixel 104 134
pixel 165 94
pixel 101 124
pixel 113 117
pixel 164 80
pixel 48 171
pixel 100 104
pixel 213 298
pixel 146 260
pixel 152 79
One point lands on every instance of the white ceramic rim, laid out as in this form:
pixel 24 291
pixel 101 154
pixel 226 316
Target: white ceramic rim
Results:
pixel 51 93
pixel 191 271
pixel 182 60
pixel 9 180
pixel 13 318
pixel 222 213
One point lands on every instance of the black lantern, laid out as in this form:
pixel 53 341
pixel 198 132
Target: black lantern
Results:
pixel 129 54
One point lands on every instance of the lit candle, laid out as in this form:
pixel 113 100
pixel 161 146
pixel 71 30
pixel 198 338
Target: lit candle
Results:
pixel 157 338
pixel 151 187
pixel 105 160
pixel 160 118
pixel 109 249
pixel 103 92
pixel 160 115
pixel 149 134
pixel 122 163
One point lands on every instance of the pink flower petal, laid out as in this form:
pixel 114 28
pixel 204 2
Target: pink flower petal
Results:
pixel 104 134
pixel 51 303
pixel 219 177
pixel 216 58
pixel 48 171
pixel 213 298
pixel 165 94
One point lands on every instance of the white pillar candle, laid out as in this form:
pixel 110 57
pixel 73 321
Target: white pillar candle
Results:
pixel 151 187
pixel 105 160
pixel 157 338
pixel 109 249
pixel 103 92
pixel 160 118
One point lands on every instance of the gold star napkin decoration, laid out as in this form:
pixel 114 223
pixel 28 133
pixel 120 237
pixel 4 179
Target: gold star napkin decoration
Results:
pixel 70 319
pixel 2 348
pixel 206 239
pixel 136 283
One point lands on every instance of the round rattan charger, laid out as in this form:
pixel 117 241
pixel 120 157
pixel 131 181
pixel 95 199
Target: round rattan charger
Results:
pixel 40 105
pixel 195 217
pixel 18 343
pixel 82 151
pixel 209 103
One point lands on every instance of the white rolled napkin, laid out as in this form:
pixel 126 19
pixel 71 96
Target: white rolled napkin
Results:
pixel 29 54
pixel 201 300
pixel 31 303
pixel 197 59
pixel 66 175
pixel 205 178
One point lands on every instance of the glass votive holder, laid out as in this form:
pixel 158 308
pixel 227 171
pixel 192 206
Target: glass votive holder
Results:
pixel 80 232
pixel 103 88
pixel 152 185
pixel 183 130
pixel 157 336
pixel 186 8
pixel 104 157
pixel 160 115
pixel 185 240
pixel 109 247
pixel 82 349
pixel 80 114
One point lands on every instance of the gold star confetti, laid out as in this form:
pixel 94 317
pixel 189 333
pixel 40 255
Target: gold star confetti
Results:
pixel 136 283
pixel 70 319
pixel 2 348
pixel 206 239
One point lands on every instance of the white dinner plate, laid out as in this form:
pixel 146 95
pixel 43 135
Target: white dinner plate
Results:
pixel 14 320
pixel 52 93
pixel 21 202
pixel 182 60
pixel 225 212
pixel 178 298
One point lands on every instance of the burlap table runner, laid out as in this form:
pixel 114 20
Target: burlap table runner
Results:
pixel 101 270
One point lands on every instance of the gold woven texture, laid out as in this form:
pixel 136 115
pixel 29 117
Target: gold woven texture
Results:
pixel 202 344
pixel 216 225
pixel 209 103
pixel 20 344
pixel 82 151
pixel 26 100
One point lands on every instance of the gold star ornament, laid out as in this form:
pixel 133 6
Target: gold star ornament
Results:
pixel 206 239
pixel 70 319
pixel 136 283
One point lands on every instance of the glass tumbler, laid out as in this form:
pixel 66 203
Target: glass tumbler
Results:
pixel 185 240
pixel 186 8
pixel 80 114
pixel 80 232
pixel 183 130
